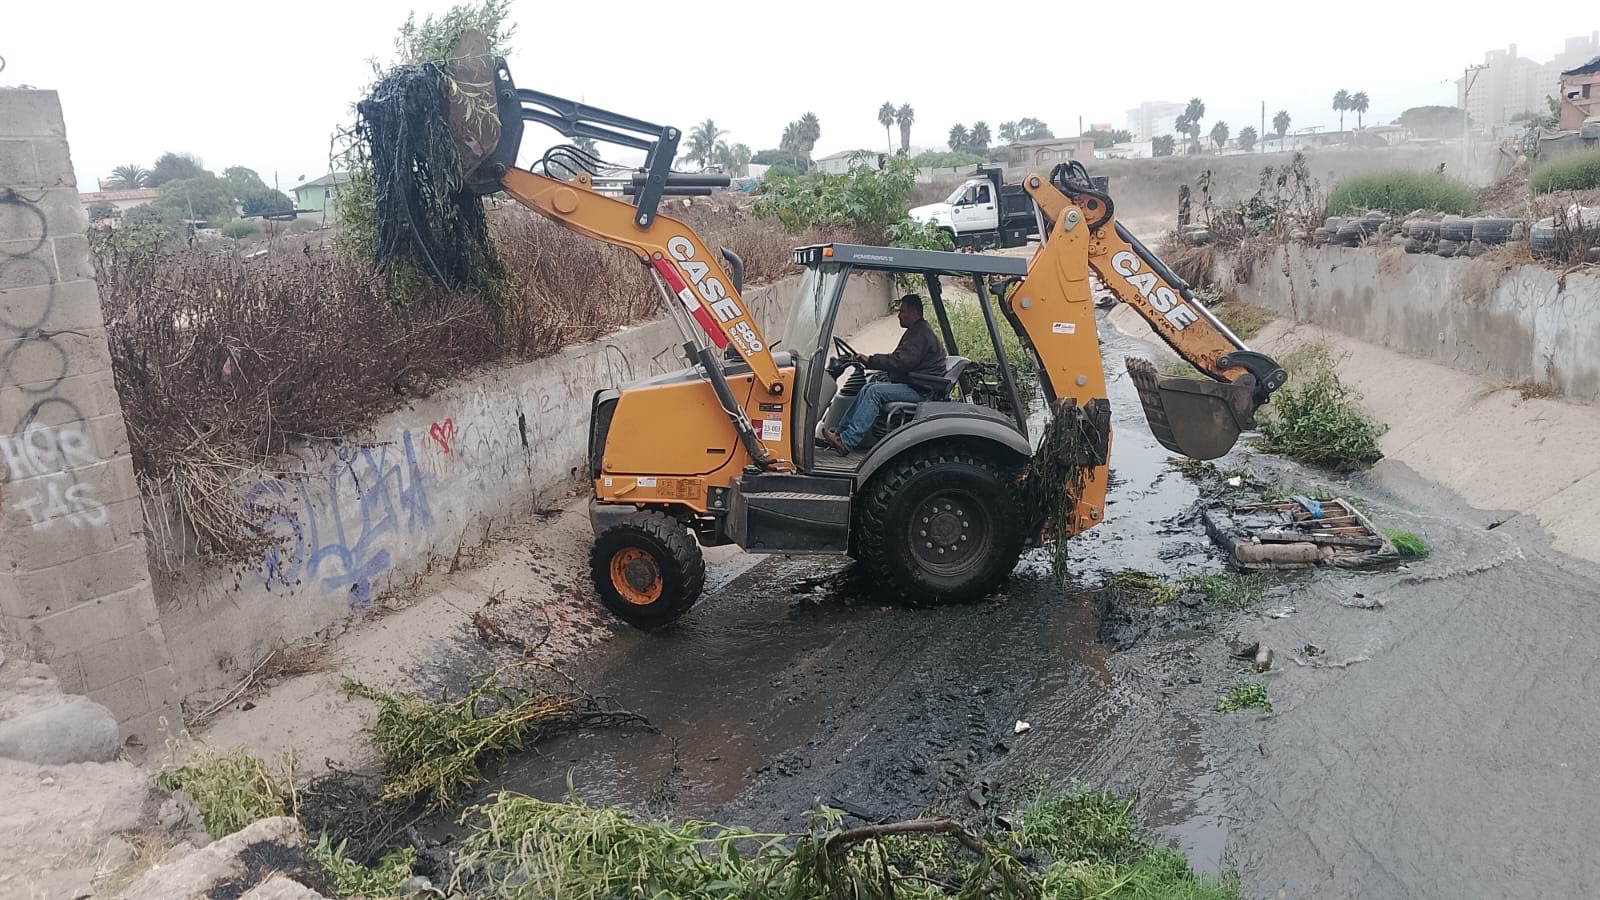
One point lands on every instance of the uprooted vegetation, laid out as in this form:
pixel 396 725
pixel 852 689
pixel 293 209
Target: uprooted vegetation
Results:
pixel 1074 843
pixel 1229 590
pixel 1317 419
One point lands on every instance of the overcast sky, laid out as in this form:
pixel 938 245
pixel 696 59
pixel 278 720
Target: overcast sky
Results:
pixel 264 85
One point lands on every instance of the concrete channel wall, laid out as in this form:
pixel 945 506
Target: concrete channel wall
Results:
pixel 1523 323
pixel 356 518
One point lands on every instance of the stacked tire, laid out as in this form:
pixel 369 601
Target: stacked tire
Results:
pixel 1543 239
pixel 1488 230
pixel 1455 228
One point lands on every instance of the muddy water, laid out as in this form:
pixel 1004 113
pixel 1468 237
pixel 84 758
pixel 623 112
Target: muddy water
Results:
pixel 791 683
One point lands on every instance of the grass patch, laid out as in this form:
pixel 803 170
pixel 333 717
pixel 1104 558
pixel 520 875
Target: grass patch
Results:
pixel 1399 193
pixel 1407 543
pixel 1230 589
pixel 431 751
pixel 1246 696
pixel 1081 844
pixel 1579 172
pixel 1315 419
pixel 1142 588
pixel 230 789
pixel 1242 319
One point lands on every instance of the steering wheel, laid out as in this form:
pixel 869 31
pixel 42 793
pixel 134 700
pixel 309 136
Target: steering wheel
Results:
pixel 844 349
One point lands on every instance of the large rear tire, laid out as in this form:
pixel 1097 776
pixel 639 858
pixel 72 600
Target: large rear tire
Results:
pixel 647 569
pixel 941 526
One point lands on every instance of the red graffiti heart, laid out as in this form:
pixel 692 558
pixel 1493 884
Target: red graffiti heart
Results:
pixel 443 433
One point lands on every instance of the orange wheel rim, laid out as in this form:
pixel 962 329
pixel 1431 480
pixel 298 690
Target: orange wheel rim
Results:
pixel 636 577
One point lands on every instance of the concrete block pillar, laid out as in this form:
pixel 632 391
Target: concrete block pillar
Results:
pixel 74 581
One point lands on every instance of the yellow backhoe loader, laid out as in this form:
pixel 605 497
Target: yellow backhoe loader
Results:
pixel 727 450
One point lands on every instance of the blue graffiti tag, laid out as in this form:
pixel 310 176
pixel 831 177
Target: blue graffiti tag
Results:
pixel 328 538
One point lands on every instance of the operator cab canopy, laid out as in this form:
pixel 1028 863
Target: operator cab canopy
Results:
pixel 910 262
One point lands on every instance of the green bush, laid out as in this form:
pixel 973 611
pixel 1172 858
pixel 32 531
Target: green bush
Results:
pixel 869 202
pixel 241 228
pixel 1575 173
pixel 1316 419
pixel 1402 192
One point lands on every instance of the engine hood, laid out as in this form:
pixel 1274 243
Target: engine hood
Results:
pixel 932 212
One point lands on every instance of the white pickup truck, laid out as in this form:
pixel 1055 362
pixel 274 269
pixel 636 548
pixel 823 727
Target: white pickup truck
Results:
pixel 983 212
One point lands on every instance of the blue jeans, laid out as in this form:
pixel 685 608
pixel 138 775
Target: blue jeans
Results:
pixel 868 403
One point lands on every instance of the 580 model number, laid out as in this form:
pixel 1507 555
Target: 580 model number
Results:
pixel 1177 313
pixel 711 288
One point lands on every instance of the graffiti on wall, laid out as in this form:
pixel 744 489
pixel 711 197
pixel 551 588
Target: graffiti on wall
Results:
pixel 43 464
pixel 337 528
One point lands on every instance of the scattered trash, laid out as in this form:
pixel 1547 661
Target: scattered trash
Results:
pixel 1312 650
pixel 1280 612
pixel 1296 533
pixel 1235 481
pixel 1021 727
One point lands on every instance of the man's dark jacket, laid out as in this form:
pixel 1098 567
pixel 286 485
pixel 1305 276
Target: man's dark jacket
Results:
pixel 919 351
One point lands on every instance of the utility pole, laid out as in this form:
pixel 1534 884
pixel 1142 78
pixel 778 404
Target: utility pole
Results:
pixel 1262 134
pixel 1469 77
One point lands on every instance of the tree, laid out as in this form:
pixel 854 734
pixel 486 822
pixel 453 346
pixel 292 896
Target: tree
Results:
pixel 1008 132
pixel 1432 121
pixel 1193 113
pixel 959 138
pixel 1219 135
pixel 102 211
pixel 904 117
pixel 586 144
pixel 980 137
pixel 1247 138
pixel 703 140
pixel 738 160
pixel 1031 129
pixel 1341 102
pixel 810 132
pixel 201 197
pixel 173 166
pixel 1360 103
pixel 1163 145
pixel 130 177
pixel 1103 139
pixel 251 194
pixel 1280 125
pixel 886 119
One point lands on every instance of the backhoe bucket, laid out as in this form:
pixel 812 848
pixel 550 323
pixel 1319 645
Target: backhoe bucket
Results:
pixel 1199 418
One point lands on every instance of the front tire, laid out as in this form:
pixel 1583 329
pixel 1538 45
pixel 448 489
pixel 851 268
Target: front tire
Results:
pixel 941 526
pixel 647 569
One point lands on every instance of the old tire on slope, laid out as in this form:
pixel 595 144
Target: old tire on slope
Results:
pixel 941 526
pixel 647 569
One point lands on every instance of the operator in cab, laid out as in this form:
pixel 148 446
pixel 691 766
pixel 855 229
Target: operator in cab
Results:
pixel 919 351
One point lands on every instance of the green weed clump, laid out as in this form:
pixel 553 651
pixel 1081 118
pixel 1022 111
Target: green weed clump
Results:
pixel 527 848
pixel 1579 172
pixel 1246 696
pixel 1230 589
pixel 433 750
pixel 1399 193
pixel 1407 543
pixel 231 789
pixel 1142 588
pixel 351 879
pixel 1316 419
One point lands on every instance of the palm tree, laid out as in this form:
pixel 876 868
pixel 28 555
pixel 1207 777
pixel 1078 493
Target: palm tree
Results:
pixel 980 137
pixel 904 117
pixel 810 132
pixel 130 177
pixel 703 140
pixel 1194 112
pixel 1219 135
pixel 738 160
pixel 1280 126
pixel 1247 138
pixel 1341 102
pixel 1359 103
pixel 791 143
pixel 1181 124
pixel 959 137
pixel 886 119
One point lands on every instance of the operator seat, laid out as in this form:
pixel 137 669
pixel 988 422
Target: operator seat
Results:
pixel 932 388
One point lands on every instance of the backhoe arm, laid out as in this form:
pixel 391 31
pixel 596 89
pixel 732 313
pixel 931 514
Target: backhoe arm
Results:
pixel 1201 419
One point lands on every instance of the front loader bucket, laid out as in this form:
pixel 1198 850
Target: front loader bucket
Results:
pixel 1198 418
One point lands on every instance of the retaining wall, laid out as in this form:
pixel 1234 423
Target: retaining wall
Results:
pixel 1519 324
pixel 356 518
